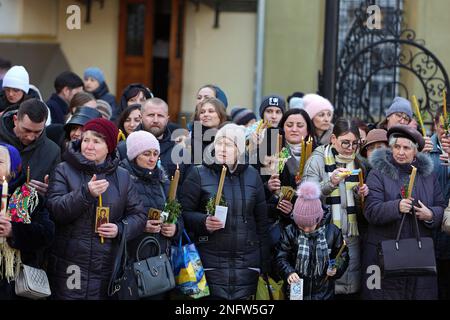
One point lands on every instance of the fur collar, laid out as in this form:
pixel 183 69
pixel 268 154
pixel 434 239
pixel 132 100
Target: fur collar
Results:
pixel 382 160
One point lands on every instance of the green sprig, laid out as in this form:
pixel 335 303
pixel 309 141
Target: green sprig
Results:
pixel 211 204
pixel 173 208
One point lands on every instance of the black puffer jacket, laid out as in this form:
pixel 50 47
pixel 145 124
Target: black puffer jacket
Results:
pixel 42 155
pixel 313 288
pixel 72 208
pixel 230 254
pixel 152 187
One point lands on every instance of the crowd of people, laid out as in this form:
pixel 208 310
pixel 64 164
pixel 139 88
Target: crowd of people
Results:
pixel 81 151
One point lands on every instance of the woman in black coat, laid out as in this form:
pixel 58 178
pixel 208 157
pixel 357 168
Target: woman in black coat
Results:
pixel 152 186
pixel 233 253
pixel 27 233
pixel 90 170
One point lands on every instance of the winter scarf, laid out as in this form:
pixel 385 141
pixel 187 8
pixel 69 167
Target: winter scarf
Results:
pixel 304 254
pixel 342 199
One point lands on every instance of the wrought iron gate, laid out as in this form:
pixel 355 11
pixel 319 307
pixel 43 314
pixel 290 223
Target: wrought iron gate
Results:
pixel 374 66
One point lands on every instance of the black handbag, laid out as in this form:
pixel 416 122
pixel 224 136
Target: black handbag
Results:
pixel 154 275
pixel 123 285
pixel 407 257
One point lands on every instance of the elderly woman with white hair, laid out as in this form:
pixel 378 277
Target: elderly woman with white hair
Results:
pixel 387 202
pixel 233 253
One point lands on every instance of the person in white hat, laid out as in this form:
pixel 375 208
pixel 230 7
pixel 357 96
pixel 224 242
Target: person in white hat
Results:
pixel 16 85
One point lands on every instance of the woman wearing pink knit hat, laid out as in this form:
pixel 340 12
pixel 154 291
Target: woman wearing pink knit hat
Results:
pixel 307 249
pixel 320 110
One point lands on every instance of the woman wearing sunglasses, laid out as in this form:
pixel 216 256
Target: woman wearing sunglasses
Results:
pixel 331 165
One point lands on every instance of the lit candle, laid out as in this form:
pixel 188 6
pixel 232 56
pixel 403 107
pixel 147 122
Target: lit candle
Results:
pixel 183 122
pixel 4 197
pixel 419 116
pixel 221 182
pixel 412 178
pixel 4 202
pixel 308 148
pixel 174 184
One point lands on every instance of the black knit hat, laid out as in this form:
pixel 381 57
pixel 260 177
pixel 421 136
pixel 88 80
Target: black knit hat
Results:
pixel 241 116
pixel 272 101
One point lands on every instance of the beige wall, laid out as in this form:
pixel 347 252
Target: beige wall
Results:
pixel 223 56
pixel 293 45
pixel 96 43
pixel 430 21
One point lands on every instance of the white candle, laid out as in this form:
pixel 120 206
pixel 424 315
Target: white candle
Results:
pixel 4 196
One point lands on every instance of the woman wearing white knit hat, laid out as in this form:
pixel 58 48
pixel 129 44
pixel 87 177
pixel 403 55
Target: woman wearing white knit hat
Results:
pixel 16 85
pixel 233 249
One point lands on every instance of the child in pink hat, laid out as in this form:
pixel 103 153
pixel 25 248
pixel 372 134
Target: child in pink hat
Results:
pixel 307 249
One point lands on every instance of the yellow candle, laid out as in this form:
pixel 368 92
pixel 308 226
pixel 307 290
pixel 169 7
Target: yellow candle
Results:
pixel 174 184
pixel 419 116
pixel 412 178
pixel 183 122
pixel 361 184
pixel 308 148
pixel 302 160
pixel 221 182
pixel 100 204
pixel 445 105
pixel 279 143
pixel 28 174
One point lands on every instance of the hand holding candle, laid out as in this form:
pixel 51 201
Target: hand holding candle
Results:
pixel 361 184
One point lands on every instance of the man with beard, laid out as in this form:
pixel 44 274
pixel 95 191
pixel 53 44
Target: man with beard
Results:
pixel 155 119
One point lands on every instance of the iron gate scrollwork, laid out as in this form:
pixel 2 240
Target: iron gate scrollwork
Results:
pixel 374 66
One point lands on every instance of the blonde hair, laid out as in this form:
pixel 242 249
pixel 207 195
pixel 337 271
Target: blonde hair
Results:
pixel 5 151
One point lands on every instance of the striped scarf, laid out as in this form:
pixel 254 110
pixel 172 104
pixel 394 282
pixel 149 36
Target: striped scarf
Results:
pixel 341 199
pixel 303 259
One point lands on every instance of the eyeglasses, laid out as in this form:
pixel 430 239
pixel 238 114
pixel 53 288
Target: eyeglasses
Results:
pixel 401 115
pixel 346 144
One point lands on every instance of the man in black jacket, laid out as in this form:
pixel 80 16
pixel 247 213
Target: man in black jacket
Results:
pixel 67 84
pixel 155 119
pixel 24 129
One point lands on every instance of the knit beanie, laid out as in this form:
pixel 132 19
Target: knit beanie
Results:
pixel 139 142
pixel 221 96
pixel 296 103
pixel 313 104
pixel 241 116
pixel 234 133
pixel 308 207
pixel 17 77
pixel 104 108
pixel 16 162
pixel 400 104
pixel 95 73
pixel 105 127
pixel 272 101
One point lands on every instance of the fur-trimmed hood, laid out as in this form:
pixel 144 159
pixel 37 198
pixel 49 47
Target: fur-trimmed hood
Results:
pixel 383 161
